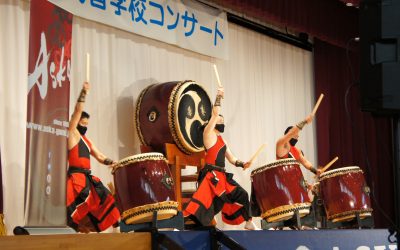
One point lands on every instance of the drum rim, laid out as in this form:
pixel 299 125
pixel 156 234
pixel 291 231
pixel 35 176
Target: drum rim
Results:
pixel 139 158
pixel 270 214
pixel 272 165
pixel 137 114
pixel 135 213
pixel 339 216
pixel 340 171
pixel 173 117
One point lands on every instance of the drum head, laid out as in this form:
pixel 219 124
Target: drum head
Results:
pixel 189 108
pixel 153 156
pixel 277 163
pixel 339 171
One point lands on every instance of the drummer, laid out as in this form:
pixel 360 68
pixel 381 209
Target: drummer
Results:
pixel 90 206
pixel 217 190
pixel 285 146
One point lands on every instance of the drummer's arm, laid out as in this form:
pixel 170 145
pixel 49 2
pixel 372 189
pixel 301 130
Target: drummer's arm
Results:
pixel 76 116
pixel 74 135
pixel 100 157
pixel 282 146
pixel 213 121
pixel 235 161
pixel 214 114
pixel 307 164
pixel 284 140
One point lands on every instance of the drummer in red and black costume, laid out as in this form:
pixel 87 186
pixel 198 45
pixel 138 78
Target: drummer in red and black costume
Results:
pixel 90 206
pixel 217 190
pixel 285 146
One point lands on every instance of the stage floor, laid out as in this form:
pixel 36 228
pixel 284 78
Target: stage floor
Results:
pixel 285 239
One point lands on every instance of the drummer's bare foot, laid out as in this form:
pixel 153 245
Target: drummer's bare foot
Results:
pixel 250 225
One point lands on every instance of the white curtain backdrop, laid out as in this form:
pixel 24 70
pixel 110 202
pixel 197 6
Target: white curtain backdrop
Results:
pixel 268 86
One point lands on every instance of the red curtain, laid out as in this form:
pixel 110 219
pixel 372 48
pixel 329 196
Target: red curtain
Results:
pixel 358 138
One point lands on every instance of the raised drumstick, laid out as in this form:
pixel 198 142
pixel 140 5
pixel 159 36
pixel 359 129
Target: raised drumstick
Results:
pixel 257 153
pixel 87 67
pixel 317 104
pixel 329 164
pixel 217 75
pixel 111 187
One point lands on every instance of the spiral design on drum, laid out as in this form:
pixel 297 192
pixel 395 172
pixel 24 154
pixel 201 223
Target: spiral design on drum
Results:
pixel 172 112
pixel 189 108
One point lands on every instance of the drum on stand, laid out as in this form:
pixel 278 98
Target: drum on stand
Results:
pixel 345 194
pixel 173 112
pixel 143 184
pixel 280 190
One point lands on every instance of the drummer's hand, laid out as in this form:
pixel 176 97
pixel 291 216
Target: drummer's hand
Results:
pixel 246 165
pixel 312 188
pixel 113 165
pixel 309 118
pixel 319 172
pixel 220 92
pixel 86 86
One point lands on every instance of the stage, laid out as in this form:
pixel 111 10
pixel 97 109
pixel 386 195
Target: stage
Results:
pixel 267 239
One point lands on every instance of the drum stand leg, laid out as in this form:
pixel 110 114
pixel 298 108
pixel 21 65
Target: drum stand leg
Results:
pixel 157 239
pixel 354 223
pixel 218 237
pixel 295 222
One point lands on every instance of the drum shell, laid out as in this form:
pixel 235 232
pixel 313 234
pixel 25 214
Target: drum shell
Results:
pixel 344 193
pixel 280 186
pixel 155 97
pixel 144 182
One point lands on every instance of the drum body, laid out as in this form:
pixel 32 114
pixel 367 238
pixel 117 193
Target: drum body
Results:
pixel 345 193
pixel 143 184
pixel 280 190
pixel 172 112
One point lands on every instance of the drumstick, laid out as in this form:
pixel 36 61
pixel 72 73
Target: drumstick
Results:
pixel 317 104
pixel 111 187
pixel 257 153
pixel 87 67
pixel 217 75
pixel 329 164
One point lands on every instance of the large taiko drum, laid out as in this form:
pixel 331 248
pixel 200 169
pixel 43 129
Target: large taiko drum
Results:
pixel 280 189
pixel 143 184
pixel 345 193
pixel 172 112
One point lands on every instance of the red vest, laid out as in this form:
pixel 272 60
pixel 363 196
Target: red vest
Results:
pixel 79 155
pixel 293 153
pixel 216 154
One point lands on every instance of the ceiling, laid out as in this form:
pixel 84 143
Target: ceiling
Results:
pixel 334 21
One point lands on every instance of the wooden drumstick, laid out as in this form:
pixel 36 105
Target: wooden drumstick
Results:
pixel 329 164
pixel 87 67
pixel 111 187
pixel 217 75
pixel 257 153
pixel 317 104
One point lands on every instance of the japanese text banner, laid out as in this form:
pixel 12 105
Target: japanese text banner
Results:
pixel 187 24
